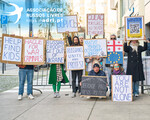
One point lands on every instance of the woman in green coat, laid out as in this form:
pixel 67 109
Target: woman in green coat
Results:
pixel 56 76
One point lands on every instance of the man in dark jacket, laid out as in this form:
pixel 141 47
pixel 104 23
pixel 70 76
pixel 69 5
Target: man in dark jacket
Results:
pixel 96 71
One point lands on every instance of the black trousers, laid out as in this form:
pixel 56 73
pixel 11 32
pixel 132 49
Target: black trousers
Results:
pixel 76 73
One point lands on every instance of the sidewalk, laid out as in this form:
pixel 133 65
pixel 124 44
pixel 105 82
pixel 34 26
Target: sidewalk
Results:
pixel 45 107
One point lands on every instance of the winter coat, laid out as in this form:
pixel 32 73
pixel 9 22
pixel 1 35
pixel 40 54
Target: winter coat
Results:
pixel 134 63
pixel 100 73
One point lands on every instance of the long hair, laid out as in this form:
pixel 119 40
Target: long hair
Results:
pixel 120 68
pixel 78 40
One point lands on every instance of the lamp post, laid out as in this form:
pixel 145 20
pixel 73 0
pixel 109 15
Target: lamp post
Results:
pixel 30 4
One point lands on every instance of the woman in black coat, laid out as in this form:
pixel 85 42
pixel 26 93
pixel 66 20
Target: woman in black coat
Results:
pixel 134 64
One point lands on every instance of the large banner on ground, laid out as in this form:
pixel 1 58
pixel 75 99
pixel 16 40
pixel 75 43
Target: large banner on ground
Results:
pixel 11 49
pixel 94 86
pixel 134 28
pixel 55 52
pixel 95 24
pixel 95 47
pixel 115 52
pixel 33 51
pixel 75 59
pixel 122 88
pixel 67 23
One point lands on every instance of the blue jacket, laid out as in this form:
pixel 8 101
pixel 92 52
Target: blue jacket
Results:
pixel 148 46
pixel 100 73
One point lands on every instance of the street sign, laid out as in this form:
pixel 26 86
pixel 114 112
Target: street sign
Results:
pixel 4 19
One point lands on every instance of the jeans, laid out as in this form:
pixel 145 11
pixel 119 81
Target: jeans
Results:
pixel 135 87
pixel 22 77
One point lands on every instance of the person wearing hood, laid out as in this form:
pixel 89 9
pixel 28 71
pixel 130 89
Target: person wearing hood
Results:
pixel 134 63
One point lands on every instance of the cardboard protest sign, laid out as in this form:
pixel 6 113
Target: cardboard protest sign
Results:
pixel 75 59
pixel 11 49
pixel 134 28
pixel 33 51
pixel 55 51
pixel 115 52
pixel 67 23
pixel 122 88
pixel 94 86
pixel 95 47
pixel 95 24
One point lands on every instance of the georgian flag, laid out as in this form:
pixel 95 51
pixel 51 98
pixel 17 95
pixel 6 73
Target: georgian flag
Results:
pixel 115 46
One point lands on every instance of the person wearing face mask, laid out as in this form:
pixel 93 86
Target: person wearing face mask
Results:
pixel 134 63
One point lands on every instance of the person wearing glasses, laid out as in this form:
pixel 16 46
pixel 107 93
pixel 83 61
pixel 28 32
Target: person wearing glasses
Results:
pixel 116 70
pixel 110 66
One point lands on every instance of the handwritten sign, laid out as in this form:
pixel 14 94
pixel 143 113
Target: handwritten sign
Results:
pixel 121 87
pixel 95 24
pixel 95 47
pixel 134 29
pixel 55 51
pixel 75 59
pixel 94 86
pixel 67 23
pixel 33 51
pixel 11 50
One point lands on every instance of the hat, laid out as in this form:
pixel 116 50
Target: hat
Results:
pixel 96 65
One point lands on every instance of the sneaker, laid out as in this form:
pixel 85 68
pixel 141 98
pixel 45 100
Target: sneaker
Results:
pixel 58 95
pixel 30 97
pixel 55 95
pixel 136 95
pixel 19 97
pixel 73 95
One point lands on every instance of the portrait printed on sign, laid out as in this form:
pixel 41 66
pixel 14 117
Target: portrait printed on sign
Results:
pixel 134 28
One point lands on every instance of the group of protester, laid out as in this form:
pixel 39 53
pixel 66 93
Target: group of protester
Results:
pixel 94 68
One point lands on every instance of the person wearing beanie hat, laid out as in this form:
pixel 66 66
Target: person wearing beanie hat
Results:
pixel 96 71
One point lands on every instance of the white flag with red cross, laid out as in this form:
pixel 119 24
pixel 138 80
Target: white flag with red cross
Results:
pixel 114 46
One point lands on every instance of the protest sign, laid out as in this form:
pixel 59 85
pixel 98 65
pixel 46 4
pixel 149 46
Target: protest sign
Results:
pixel 11 49
pixel 122 88
pixel 95 24
pixel 115 52
pixel 67 23
pixel 75 59
pixel 95 47
pixel 94 86
pixel 55 52
pixel 33 51
pixel 134 28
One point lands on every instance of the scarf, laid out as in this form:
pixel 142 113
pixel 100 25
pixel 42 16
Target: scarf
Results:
pixel 116 72
pixel 134 46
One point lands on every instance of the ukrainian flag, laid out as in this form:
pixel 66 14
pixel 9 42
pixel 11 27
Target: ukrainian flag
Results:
pixel 132 30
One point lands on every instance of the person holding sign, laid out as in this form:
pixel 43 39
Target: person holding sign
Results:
pixel 116 70
pixel 56 76
pixel 76 73
pixel 135 65
pixel 25 71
